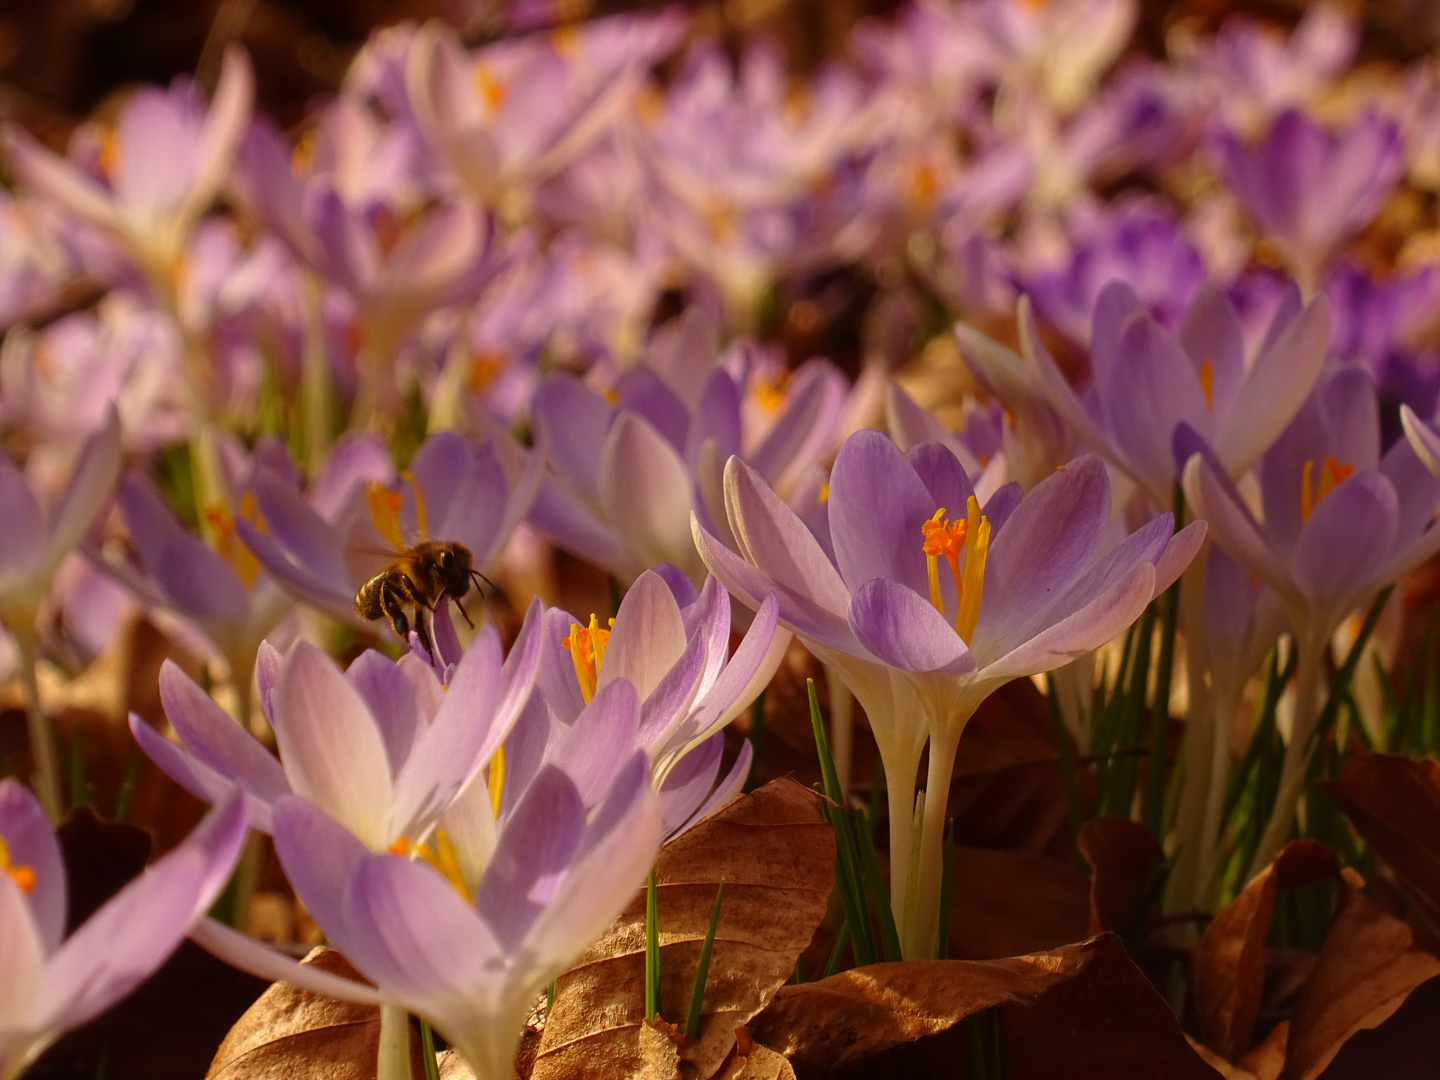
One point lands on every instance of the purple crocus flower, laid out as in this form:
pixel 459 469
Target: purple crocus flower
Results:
pixel 1338 522
pixel 452 491
pixel 150 179
pixel 53 983
pixel 951 606
pixel 627 475
pixel 1309 188
pixel 382 748
pixel 1147 382
pixel 1135 242
pixel 671 644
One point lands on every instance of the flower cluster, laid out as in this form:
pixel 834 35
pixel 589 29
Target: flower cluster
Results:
pixel 565 292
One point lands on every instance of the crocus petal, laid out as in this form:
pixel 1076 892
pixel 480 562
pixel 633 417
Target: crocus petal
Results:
pixel 903 629
pixel 748 672
pixel 30 838
pixel 318 855
pixel 1089 628
pixel 646 491
pixel 410 932
pixel 648 637
pixel 1423 438
pixel 91 483
pixel 1179 553
pixel 616 852
pixel 1346 541
pixel 23 533
pixel 390 696
pixel 244 952
pixel 330 747
pixel 517 675
pixel 943 476
pixel 460 740
pixel 1231 524
pixel 870 471
pixel 599 742
pixel 224 126
pixel 22 958
pixel 135 932
pixel 686 785
pixel 725 792
pixel 1053 533
pixel 57 179
pixel 216 740
pixel 1275 388
pixel 199 779
pixel 576 420
pixel 534 852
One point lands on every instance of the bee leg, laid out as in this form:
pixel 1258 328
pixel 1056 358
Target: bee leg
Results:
pixel 394 606
pixel 423 633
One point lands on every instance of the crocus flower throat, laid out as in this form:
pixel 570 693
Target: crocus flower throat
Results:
pixel 228 545
pixel 23 876
pixel 1313 488
pixel 385 510
pixel 964 546
pixel 441 855
pixel 586 645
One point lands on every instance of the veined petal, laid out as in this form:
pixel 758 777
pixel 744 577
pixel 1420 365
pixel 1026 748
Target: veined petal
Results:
pixel 1423 438
pixel 319 855
pixel 1346 541
pixel 877 507
pixel 1231 525
pixel 688 784
pixel 726 791
pixel 330 747
pixel 599 742
pixel 244 952
pixel 215 739
pixel 195 777
pixel 648 637
pixel 903 629
pixel 647 493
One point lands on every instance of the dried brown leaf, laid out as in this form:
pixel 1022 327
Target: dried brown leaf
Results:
pixel 1394 803
pixel 777 856
pixel 1219 1064
pixel 1367 967
pixel 1230 959
pixel 290 1034
pixel 1082 1011
pixel 1124 859
pixel 1267 1060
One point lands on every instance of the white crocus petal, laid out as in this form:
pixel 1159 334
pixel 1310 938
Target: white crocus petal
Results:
pixel 646 491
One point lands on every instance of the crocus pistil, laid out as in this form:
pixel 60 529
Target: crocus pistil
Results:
pixel 586 645
pixel 23 876
pixel 1313 488
pixel 948 539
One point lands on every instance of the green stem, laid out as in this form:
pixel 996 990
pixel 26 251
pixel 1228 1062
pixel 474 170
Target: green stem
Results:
pixel 427 1046
pixel 944 742
pixel 652 951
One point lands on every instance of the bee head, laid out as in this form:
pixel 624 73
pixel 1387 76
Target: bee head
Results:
pixel 455 569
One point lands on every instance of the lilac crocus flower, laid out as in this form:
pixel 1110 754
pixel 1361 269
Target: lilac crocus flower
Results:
pixel 1025 589
pixel 1338 521
pixel 514 113
pixel 155 174
pixel 626 476
pixel 53 983
pixel 671 644
pixel 468 957
pixel 1309 188
pixel 32 545
pixel 452 491
pixel 1148 382
pixel 383 748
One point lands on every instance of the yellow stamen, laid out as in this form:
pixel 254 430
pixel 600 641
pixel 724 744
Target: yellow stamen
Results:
pixel 385 511
pixel 825 492
pixel 946 539
pixel 924 186
pixel 229 545
pixel 1313 489
pixel 587 652
pixel 769 393
pixel 483 371
pixel 972 581
pixel 109 161
pixel 495 779
pixel 489 89
pixel 442 856
pixel 1207 384
pixel 720 220
pixel 23 876
pixel 302 158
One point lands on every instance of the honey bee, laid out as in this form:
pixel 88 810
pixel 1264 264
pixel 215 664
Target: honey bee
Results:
pixel 419 575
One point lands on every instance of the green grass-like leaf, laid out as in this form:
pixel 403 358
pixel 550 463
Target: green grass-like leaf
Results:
pixel 702 970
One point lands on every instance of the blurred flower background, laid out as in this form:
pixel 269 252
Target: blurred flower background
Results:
pixel 944 482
